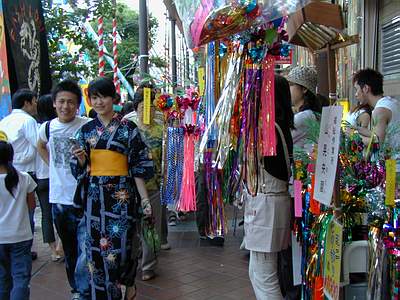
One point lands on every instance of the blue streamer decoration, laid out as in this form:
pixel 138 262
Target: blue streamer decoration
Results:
pixel 171 188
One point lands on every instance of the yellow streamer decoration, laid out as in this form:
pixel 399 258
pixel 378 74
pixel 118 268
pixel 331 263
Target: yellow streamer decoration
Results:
pixel 390 182
pixel 202 82
pixel 146 105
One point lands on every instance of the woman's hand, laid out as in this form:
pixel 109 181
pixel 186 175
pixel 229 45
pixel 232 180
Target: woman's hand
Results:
pixel 80 154
pixel 146 207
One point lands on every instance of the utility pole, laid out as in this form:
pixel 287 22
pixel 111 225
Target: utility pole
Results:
pixel 143 39
pixel 173 54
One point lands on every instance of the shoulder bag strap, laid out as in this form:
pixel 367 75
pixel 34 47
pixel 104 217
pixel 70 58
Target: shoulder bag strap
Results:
pixel 285 149
pixel 47 130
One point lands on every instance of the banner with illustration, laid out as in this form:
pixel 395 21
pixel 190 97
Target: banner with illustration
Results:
pixel 5 97
pixel 27 51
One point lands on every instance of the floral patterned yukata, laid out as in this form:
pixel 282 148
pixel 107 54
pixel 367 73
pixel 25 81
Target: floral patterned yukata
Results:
pixel 110 205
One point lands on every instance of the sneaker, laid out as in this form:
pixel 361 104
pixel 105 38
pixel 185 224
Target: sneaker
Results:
pixel 55 257
pixel 172 220
pixel 217 241
pixel 203 236
pixel 165 246
pixel 75 296
pixel 148 275
pixel 182 216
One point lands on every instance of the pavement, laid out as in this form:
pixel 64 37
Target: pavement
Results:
pixel 192 270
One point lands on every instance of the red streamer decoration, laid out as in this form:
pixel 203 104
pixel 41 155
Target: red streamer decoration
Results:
pixel 268 107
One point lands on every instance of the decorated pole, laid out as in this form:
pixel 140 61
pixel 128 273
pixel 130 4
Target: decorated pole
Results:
pixel 115 50
pixel 93 35
pixel 115 54
pixel 100 32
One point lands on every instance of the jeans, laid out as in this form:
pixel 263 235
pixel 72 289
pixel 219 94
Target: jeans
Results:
pixel 42 192
pixel 263 275
pixel 15 270
pixel 67 224
pixel 82 276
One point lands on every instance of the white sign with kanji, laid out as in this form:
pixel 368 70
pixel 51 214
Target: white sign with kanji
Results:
pixel 328 151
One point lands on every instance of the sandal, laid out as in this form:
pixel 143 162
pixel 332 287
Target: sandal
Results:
pixel 130 293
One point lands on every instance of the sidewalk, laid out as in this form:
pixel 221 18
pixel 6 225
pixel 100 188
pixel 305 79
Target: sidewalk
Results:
pixel 191 270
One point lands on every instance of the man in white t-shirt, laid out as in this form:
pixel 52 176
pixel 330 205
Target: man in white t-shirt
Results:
pixel 21 130
pixel 368 84
pixel 385 115
pixel 56 136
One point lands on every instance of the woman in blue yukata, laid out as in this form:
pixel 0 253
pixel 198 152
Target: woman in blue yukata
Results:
pixel 111 164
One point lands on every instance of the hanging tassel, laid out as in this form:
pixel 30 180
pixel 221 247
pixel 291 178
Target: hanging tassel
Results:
pixel 187 200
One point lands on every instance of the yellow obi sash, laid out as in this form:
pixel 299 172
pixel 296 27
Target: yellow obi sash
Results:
pixel 108 163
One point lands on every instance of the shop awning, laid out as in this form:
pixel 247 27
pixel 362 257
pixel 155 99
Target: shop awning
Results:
pixel 173 14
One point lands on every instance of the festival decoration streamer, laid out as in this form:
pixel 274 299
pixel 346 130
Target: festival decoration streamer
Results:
pixel 187 200
pixel 100 32
pixel 223 111
pixel 115 54
pixel 390 182
pixel 250 120
pixel 268 107
pixel 173 178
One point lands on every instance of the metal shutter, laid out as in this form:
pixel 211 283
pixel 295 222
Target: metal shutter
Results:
pixel 391 47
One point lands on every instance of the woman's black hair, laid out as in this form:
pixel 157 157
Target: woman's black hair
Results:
pixel 127 108
pixel 6 158
pixel 312 102
pixel 92 113
pixel 360 106
pixel 45 108
pixel 283 104
pixel 102 86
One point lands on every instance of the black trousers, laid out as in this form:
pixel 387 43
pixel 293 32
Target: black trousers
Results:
pixel 42 192
pixel 202 213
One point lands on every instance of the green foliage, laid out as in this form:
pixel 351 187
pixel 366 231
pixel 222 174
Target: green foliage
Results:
pixel 62 25
pixel 66 26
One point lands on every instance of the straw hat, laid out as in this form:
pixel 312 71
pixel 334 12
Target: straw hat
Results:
pixel 3 136
pixel 304 76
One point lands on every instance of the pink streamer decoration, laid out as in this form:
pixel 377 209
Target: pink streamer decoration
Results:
pixel 200 16
pixel 298 202
pixel 187 199
pixel 268 107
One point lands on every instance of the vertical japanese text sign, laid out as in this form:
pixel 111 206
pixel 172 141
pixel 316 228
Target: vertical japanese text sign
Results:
pixel 328 151
pixel 333 259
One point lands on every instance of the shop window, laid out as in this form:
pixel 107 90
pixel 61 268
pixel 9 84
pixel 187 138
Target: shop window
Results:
pixel 391 48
